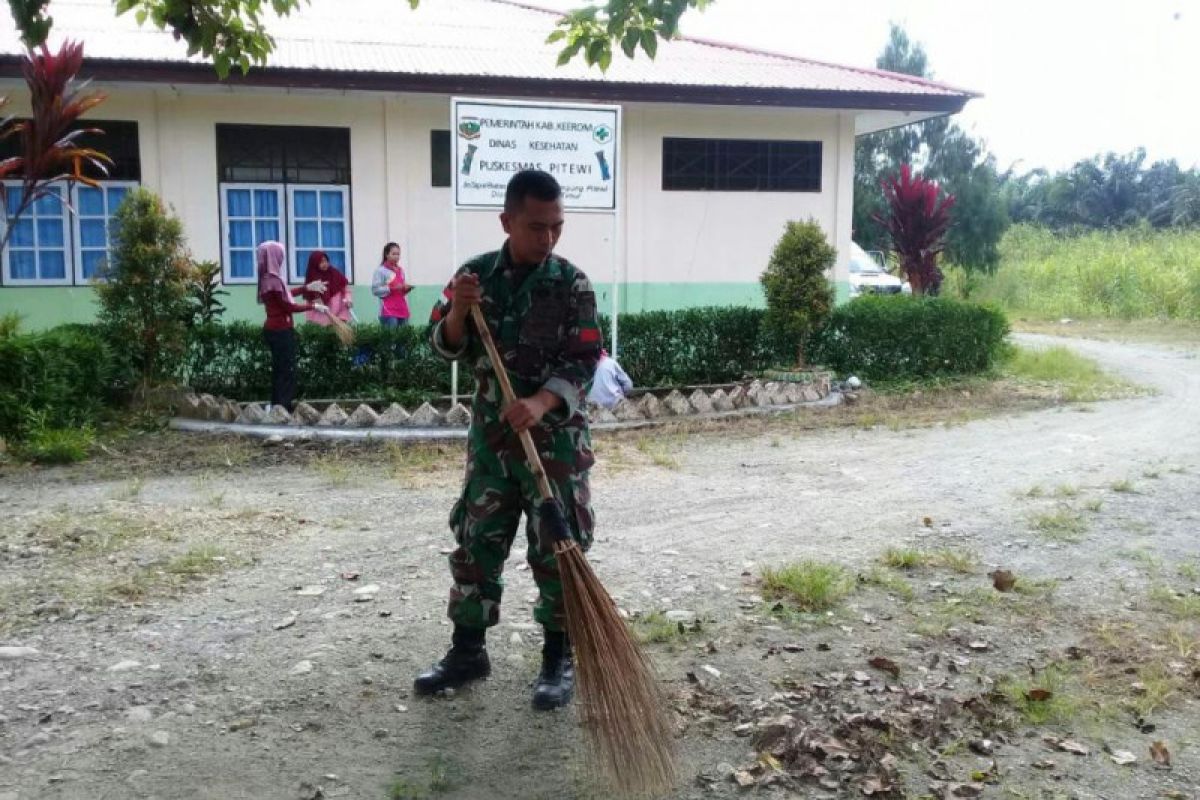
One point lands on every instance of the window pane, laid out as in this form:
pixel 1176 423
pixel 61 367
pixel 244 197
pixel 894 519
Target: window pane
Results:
pixel 266 232
pixel 266 204
pixel 439 158
pixel 241 234
pixel 302 261
pixel 50 232
pixel 53 264
pixel 116 197
pixel 305 204
pixel 238 202
pixel 333 234
pixel 50 204
pixel 306 235
pixel 91 202
pixel 23 264
pixel 93 233
pixel 331 204
pixel 93 260
pixel 241 263
pixel 22 235
pixel 12 199
pixel 337 258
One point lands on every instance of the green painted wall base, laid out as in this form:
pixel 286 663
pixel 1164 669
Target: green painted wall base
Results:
pixel 46 307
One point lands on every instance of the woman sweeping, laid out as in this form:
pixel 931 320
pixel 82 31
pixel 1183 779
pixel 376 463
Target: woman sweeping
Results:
pixel 337 295
pixel 278 330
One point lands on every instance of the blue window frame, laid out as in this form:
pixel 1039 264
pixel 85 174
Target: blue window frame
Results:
pixel 251 214
pixel 39 249
pixel 93 225
pixel 319 221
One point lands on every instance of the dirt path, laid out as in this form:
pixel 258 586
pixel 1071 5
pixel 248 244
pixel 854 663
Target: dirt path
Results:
pixel 256 686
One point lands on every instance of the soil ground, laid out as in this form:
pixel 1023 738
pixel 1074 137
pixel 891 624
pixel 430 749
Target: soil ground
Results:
pixel 215 618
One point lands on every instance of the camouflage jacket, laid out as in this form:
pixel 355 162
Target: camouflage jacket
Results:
pixel 546 330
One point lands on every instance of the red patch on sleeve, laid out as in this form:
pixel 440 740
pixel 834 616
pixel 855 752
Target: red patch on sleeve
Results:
pixel 589 335
pixel 436 316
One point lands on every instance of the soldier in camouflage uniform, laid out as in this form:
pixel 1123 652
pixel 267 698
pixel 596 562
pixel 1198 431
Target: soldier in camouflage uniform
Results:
pixel 542 315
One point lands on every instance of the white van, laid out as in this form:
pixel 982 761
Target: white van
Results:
pixel 869 276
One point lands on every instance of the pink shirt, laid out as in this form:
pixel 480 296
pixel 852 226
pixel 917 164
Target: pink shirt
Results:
pixel 396 303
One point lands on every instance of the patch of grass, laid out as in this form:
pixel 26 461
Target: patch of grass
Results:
pixel 889 582
pixel 1066 490
pixel 1035 491
pixel 1079 379
pixel 1063 525
pixel 898 558
pixel 1152 474
pixel 662 451
pixel 1158 688
pixel 198 561
pixel 809 585
pixel 1190 571
pixel 1065 704
pixel 1179 605
pixel 130 490
pixel 333 469
pixel 57 445
pixel 1039 588
pixel 1122 486
pixel 1093 506
pixel 655 628
pixel 959 561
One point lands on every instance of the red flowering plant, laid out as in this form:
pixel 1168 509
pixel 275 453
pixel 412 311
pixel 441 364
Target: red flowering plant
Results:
pixel 917 220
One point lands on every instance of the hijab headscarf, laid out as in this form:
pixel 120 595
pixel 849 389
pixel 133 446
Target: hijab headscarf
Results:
pixel 335 281
pixel 270 270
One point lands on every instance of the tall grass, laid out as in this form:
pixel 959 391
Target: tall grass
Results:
pixel 1129 274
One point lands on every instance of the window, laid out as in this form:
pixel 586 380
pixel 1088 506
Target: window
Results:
pixel 287 184
pixel 741 165
pixel 38 249
pixel 93 228
pixel 439 158
pixel 51 246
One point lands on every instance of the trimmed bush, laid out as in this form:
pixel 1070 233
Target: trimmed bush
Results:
pixel 799 296
pixel 696 345
pixel 384 363
pixel 898 337
pixel 62 378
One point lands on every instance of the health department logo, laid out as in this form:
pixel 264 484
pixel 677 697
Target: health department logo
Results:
pixel 602 134
pixel 469 128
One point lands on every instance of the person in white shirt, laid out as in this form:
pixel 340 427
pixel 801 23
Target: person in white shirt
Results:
pixel 610 382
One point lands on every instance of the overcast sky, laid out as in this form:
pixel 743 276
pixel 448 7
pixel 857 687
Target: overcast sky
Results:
pixel 1062 79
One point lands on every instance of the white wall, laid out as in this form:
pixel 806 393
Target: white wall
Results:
pixel 670 237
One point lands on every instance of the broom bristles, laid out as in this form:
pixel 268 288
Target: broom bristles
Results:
pixel 345 333
pixel 627 728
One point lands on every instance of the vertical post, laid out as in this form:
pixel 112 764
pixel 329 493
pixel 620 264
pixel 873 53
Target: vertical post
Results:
pixel 453 228
pixel 618 218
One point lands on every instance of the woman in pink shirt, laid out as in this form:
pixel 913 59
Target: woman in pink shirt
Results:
pixel 390 286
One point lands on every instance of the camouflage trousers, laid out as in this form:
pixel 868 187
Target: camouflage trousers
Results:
pixel 497 491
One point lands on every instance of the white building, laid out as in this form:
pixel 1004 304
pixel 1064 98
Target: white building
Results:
pixel 343 142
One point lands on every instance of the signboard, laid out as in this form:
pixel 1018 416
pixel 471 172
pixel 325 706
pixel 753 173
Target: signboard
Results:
pixel 577 144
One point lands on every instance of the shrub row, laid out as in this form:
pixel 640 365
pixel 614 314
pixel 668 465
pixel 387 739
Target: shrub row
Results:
pixel 898 337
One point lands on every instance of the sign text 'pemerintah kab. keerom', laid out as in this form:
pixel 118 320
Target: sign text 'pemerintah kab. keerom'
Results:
pixel 577 144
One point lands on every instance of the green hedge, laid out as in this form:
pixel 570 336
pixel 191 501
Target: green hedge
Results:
pixel 899 337
pixel 386 363
pixel 65 375
pixel 696 345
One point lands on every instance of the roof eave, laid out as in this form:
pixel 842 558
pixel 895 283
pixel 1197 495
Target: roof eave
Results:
pixel 135 71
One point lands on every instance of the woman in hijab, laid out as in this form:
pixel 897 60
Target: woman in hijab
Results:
pixel 337 295
pixel 278 330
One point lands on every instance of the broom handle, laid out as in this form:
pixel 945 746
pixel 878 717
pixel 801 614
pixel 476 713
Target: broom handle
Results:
pixel 510 397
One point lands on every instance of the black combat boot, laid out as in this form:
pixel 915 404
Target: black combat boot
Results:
pixel 466 661
pixel 556 682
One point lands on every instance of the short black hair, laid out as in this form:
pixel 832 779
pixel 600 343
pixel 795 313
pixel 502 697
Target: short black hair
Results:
pixel 530 183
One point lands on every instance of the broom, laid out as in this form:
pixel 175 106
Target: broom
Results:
pixel 626 726
pixel 345 333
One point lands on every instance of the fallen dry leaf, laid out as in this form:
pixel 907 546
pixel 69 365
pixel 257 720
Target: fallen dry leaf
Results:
pixel 1071 746
pixel 1039 695
pixel 886 665
pixel 1160 753
pixel 744 778
pixel 1003 580
pixel 927 522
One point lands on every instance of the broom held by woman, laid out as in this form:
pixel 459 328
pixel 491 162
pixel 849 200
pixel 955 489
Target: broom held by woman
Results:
pixel 279 331
pixel 336 294
pixel 392 288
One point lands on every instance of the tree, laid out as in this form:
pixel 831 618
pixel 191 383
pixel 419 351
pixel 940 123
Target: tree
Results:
pixel 799 296
pixel 48 151
pixel 917 221
pixel 143 290
pixel 232 33
pixel 947 154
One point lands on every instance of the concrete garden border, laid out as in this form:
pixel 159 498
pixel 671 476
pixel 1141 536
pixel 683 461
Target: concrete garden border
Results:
pixel 205 413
